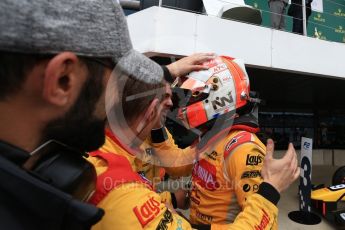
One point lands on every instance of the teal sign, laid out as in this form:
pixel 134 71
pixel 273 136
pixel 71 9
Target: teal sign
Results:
pixel 329 25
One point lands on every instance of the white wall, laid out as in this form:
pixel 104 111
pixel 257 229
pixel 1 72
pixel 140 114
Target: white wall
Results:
pixel 173 32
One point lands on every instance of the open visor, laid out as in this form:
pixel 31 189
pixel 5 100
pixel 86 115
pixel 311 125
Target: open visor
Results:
pixel 189 91
pixel 185 97
pixel 188 99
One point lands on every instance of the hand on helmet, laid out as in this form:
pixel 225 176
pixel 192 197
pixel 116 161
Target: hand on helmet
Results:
pixel 280 173
pixel 189 64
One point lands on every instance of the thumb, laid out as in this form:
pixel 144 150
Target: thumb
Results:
pixel 291 153
pixel 269 149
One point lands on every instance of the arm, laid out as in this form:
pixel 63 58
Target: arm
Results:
pixel 258 211
pixel 243 167
pixel 177 162
pixel 278 175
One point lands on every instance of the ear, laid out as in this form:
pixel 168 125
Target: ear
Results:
pixel 149 115
pixel 63 79
pixel 152 110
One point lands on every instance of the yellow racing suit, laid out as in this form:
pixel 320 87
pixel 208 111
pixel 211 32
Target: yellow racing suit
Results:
pixel 157 156
pixel 177 162
pixel 130 203
pixel 227 173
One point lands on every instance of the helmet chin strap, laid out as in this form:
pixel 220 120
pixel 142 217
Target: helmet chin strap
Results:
pixel 255 112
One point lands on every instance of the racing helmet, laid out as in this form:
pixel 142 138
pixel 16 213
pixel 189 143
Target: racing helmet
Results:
pixel 208 94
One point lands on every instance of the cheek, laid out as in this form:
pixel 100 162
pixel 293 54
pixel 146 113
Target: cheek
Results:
pixel 100 106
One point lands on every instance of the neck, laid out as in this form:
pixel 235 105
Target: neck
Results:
pixel 18 126
pixel 136 138
pixel 125 135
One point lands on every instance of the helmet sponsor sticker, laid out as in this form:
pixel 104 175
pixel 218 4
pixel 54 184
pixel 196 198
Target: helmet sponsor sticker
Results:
pixel 220 102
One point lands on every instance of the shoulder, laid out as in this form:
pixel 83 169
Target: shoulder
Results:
pixel 238 139
pixel 131 204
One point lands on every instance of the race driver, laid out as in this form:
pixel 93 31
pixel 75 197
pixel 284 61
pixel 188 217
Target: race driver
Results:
pixel 229 155
pixel 128 199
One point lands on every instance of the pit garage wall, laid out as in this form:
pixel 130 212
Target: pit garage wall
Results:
pixel 167 32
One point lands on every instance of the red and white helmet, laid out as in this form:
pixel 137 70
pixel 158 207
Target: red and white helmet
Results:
pixel 221 89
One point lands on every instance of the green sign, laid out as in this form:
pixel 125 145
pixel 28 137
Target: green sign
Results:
pixel 329 25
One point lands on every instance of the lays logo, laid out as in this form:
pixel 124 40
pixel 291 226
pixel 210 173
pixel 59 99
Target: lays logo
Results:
pixel 204 174
pixel 147 212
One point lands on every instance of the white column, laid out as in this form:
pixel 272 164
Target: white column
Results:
pixel 304 18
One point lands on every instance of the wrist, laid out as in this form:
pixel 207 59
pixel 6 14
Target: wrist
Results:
pixel 269 192
pixel 172 70
pixel 273 185
pixel 168 76
pixel 159 135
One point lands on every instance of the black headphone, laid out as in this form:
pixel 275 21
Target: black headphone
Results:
pixel 64 168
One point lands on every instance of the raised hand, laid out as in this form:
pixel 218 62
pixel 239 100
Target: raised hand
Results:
pixel 280 173
pixel 189 64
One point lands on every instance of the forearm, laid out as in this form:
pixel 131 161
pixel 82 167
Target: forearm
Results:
pixel 176 161
pixel 259 212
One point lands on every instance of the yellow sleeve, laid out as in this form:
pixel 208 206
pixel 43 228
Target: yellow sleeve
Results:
pixel 166 197
pixel 258 213
pixel 134 206
pixel 244 166
pixel 177 162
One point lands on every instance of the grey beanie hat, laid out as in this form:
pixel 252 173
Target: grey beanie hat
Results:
pixel 90 28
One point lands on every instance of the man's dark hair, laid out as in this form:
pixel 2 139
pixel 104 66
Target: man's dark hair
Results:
pixel 137 96
pixel 13 71
pixel 15 67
